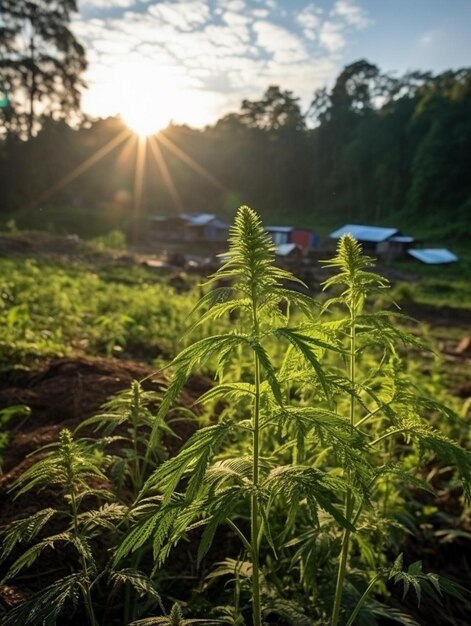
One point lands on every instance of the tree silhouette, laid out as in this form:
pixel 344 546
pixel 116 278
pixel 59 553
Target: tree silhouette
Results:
pixel 40 63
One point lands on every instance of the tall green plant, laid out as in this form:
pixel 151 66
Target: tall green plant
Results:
pixel 381 403
pixel 218 489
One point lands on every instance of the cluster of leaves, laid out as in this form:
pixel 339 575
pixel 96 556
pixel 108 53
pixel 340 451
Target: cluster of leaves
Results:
pixel 319 429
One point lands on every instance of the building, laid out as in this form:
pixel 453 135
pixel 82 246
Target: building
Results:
pixel 303 237
pixel 189 227
pixel 380 241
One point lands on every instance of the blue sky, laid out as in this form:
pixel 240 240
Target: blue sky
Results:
pixel 195 60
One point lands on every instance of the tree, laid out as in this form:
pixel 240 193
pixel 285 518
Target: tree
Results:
pixel 41 63
pixel 277 109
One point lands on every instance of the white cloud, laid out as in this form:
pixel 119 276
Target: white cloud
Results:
pixel 279 43
pixel 181 15
pixel 105 4
pixel 310 19
pixel 427 39
pixel 352 13
pixel 332 36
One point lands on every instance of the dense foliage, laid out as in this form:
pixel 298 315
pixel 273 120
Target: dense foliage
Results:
pixel 41 63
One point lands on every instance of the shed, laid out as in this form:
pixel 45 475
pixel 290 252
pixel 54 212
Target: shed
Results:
pixel 189 227
pixel 280 234
pixel 378 240
pixel 205 227
pixel 303 237
pixel 433 256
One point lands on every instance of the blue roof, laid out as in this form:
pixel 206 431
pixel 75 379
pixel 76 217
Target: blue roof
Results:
pixel 373 234
pixel 433 256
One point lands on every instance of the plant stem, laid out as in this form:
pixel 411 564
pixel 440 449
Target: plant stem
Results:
pixel 85 590
pixel 135 409
pixel 391 433
pixel 255 513
pixel 349 503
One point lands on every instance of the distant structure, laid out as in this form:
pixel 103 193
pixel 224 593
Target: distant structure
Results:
pixel 383 242
pixel 304 238
pixel 433 256
pixel 189 227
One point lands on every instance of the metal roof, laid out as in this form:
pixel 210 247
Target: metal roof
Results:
pixel 374 234
pixel 433 255
pixel 285 249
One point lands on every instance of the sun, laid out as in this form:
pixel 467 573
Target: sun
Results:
pixel 149 96
pixel 146 118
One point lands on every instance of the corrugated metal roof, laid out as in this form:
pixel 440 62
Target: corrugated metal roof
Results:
pixel 285 249
pixel 433 256
pixel 279 229
pixel 373 234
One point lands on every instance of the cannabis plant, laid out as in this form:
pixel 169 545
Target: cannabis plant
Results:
pixel 383 406
pixel 71 466
pixel 90 517
pixel 132 415
pixel 217 490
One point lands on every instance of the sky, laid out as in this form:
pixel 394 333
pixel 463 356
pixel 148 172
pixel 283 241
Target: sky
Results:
pixel 192 61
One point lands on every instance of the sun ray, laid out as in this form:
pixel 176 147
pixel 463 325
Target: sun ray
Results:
pixel 168 180
pixel 139 182
pixel 80 169
pixel 126 152
pixel 183 156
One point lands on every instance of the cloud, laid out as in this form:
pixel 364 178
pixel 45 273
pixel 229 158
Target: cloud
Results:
pixel 332 36
pixel 181 15
pixel 427 39
pixel 279 43
pixel 105 4
pixel 352 13
pixel 310 19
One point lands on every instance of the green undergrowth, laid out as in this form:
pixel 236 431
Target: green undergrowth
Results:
pixel 436 291
pixel 60 308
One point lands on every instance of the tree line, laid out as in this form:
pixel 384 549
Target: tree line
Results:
pixel 372 148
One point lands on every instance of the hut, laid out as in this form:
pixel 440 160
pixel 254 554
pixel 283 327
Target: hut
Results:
pixel 378 240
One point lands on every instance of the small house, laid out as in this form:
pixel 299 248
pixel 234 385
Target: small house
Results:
pixel 302 237
pixel 189 227
pixel 205 227
pixel 378 240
